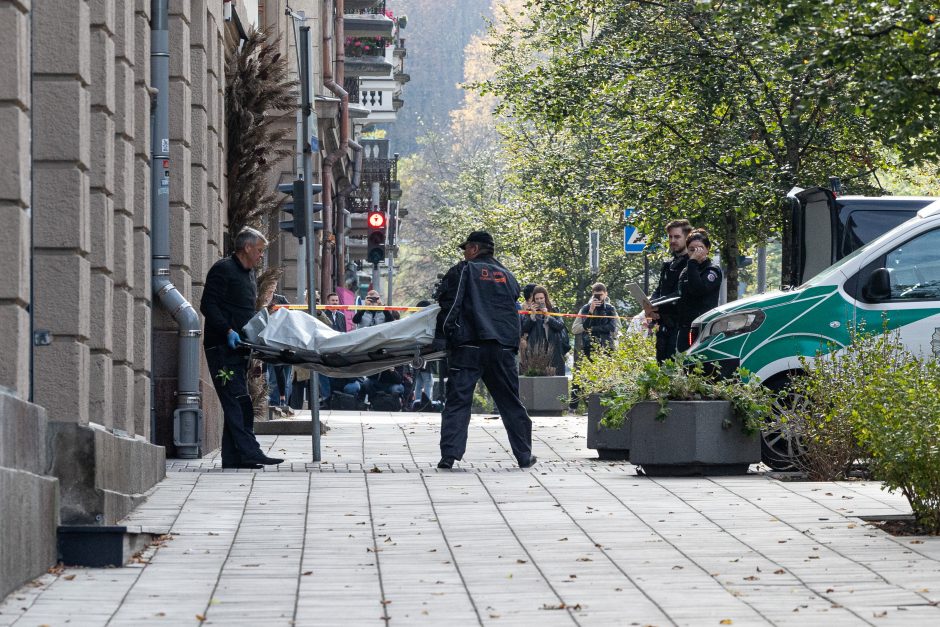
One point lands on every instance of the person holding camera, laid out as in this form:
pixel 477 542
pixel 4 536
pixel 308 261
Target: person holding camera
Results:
pixel 370 318
pixel 544 332
pixel 600 322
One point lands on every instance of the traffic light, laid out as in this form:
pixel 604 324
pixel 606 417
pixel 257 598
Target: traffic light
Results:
pixel 297 225
pixel 377 223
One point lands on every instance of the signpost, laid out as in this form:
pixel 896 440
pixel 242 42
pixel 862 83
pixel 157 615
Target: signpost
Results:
pixel 632 240
pixel 594 251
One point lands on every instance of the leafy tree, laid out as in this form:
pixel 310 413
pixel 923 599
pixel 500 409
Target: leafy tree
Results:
pixel 886 55
pixel 692 110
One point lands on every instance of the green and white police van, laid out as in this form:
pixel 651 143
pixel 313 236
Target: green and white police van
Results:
pixel 896 276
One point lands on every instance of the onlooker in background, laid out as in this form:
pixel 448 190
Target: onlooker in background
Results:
pixel 527 295
pixel 666 315
pixel 280 377
pixel 391 384
pixel 424 381
pixel 337 318
pixel 699 286
pixel 544 332
pixel 369 318
pixel 599 331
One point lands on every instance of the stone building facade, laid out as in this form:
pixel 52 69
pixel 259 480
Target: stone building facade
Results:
pixel 86 351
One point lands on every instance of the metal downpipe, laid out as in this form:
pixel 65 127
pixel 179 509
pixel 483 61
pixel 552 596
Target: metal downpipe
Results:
pixel 187 418
pixel 342 212
pixel 336 87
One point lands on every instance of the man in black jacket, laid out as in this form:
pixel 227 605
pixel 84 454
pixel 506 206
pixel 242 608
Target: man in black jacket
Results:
pixel 480 324
pixel 666 315
pixel 228 302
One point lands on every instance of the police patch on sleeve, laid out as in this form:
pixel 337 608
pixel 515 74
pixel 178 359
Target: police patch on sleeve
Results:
pixel 712 276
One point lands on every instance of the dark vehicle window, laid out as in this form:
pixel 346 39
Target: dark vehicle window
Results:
pixel 861 227
pixel 915 268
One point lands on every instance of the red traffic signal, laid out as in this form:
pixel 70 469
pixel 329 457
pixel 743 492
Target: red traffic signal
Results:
pixel 376 220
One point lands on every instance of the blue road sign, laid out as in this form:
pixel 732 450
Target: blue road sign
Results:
pixel 632 240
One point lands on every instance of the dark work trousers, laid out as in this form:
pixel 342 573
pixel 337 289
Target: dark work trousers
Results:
pixel 496 365
pixel 238 438
pixel 667 341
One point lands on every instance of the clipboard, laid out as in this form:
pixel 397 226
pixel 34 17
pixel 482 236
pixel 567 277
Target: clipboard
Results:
pixel 637 293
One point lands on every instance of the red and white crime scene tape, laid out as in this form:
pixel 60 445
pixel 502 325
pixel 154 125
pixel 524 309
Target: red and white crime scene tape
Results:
pixel 522 312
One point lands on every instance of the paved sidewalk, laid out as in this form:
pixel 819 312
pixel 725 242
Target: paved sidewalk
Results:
pixel 377 535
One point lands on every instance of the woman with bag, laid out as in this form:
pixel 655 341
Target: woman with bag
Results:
pixel 546 332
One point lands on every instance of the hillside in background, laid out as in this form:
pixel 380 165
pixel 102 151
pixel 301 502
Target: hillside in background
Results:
pixel 437 32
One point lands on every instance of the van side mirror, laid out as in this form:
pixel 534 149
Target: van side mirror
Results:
pixel 878 286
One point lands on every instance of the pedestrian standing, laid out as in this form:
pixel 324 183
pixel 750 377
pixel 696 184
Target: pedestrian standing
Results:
pixel 228 303
pixel 699 286
pixel 600 321
pixel 544 332
pixel 424 380
pixel 280 376
pixel 480 325
pixel 370 318
pixel 667 315
pixel 336 317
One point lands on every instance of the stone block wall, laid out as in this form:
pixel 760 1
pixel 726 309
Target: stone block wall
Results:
pixel 197 194
pixel 15 114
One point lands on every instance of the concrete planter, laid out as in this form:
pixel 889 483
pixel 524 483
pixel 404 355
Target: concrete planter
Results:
pixel 544 395
pixel 696 438
pixel 610 444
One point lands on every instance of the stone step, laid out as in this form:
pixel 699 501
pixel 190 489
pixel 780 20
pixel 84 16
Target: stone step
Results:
pixel 288 426
pixel 100 546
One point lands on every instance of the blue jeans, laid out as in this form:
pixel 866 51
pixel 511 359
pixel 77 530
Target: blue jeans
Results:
pixel 424 384
pixel 274 396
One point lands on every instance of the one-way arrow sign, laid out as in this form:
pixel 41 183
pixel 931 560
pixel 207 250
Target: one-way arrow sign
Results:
pixel 632 240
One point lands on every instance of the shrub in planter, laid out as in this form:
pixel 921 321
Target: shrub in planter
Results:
pixel 705 437
pixel 897 420
pixel 614 369
pixel 597 378
pixel 682 379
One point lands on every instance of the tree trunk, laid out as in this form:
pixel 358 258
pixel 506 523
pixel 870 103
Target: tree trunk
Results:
pixel 730 249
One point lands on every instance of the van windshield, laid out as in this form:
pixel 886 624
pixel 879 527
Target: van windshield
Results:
pixel 823 276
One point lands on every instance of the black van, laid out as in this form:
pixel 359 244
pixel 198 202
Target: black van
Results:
pixel 828 226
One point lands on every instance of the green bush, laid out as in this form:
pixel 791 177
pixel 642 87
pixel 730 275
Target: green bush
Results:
pixel 824 401
pixel 682 379
pixel 897 419
pixel 614 368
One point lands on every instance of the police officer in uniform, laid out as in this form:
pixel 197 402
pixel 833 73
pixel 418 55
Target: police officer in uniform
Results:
pixel 480 325
pixel 699 285
pixel 666 315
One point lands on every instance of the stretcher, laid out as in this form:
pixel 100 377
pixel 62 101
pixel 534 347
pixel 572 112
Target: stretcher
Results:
pixel 295 338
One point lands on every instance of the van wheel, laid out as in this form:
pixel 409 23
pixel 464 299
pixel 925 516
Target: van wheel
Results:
pixel 781 440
